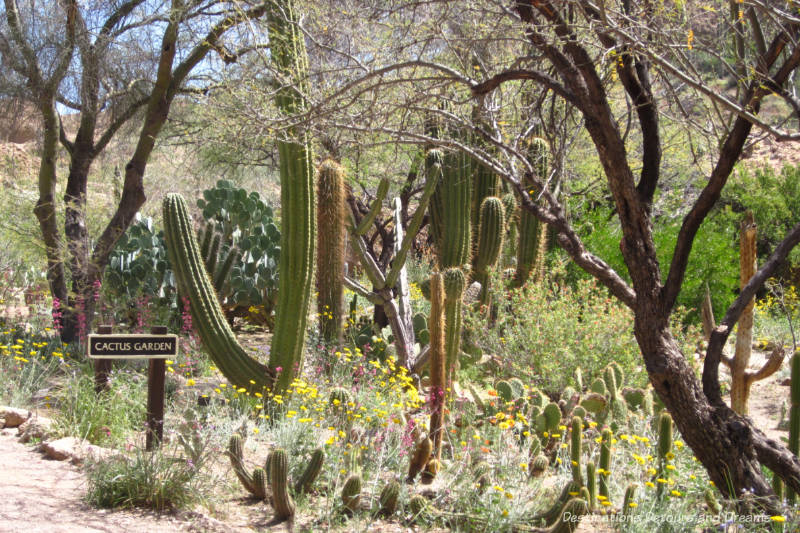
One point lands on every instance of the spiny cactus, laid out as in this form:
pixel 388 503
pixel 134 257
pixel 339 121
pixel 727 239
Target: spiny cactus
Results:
pixel 576 438
pixel 605 461
pixel 431 470
pixel 488 243
pixel 311 472
pixel 207 316
pixel 450 210
pixel 298 223
pixel 711 501
pixel 331 198
pixel 338 399
pixel 438 363
pixel 454 284
pixel 628 503
pixel 279 472
pixel 594 403
pixel 504 390
pixel 531 230
pixel 552 415
pixel 539 465
pixel 664 450
pixel 351 493
pixel 249 481
pixel 388 499
pixel 550 514
pixel 591 484
pixel 419 458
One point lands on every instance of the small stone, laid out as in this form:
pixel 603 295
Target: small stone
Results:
pixel 61 449
pixel 36 427
pixel 13 417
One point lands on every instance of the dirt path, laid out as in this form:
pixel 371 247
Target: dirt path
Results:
pixel 42 496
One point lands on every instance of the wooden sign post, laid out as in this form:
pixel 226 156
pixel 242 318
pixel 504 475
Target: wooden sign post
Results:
pixel 157 347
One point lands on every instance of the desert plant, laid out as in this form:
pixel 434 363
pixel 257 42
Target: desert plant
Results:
pixel 488 244
pixel 331 197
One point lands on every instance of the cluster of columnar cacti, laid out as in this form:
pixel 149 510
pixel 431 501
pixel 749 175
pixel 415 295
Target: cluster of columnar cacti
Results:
pixel 331 198
pixel 532 235
pixel 218 261
pixel 489 243
pixel 207 316
pixel 254 482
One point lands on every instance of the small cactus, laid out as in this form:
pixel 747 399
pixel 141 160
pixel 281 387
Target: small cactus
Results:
pixel 552 415
pixel 594 403
pixel 351 493
pixel 236 455
pixel 539 465
pixel 259 483
pixel 431 471
pixel 279 472
pixel 311 472
pixel 389 498
pixel 419 458
pixel 591 484
pixel 628 504
pixel 711 501
pixel 504 390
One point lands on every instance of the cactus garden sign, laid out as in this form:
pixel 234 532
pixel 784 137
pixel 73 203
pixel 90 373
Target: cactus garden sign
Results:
pixel 156 347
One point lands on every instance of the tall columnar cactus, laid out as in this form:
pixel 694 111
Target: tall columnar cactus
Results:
pixel 279 473
pixel 450 210
pixel 575 449
pixel 530 249
pixel 454 284
pixel 794 418
pixel 438 367
pixel 486 185
pixel 605 461
pixel 207 316
pixel 331 198
pixel 311 472
pixel 491 227
pixel 254 483
pixel 741 378
pixel 298 223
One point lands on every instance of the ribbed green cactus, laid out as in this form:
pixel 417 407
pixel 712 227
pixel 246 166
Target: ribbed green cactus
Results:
pixel 576 440
pixel 605 462
pixel 628 503
pixel 486 184
pixel 331 205
pixel 311 472
pixel 351 493
pixel 488 244
pixel 298 223
pixel 207 316
pixel 431 471
pixel 389 498
pixel 531 243
pixel 279 473
pixel 450 210
pixel 255 483
pixel 419 458
pixel 511 210
pixel 711 501
pixel 539 465
pixel 591 484
pixel 260 483
pixel 504 390
pixel 664 450
pixel 438 363
pixel 454 284
pixel 375 208
pixel 794 418
pixel 554 511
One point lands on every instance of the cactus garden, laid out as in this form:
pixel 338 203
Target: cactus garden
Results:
pixel 445 266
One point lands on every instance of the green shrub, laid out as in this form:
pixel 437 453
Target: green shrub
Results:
pixel 158 480
pixel 27 363
pixel 714 258
pixel 544 331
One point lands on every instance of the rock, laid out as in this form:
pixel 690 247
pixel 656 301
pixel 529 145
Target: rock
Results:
pixel 61 449
pixel 74 450
pixel 13 417
pixel 36 427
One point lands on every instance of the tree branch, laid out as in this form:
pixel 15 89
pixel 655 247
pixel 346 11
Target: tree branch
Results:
pixel 720 334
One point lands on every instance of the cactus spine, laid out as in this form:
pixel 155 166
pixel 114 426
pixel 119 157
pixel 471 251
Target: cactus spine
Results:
pixel 279 472
pixel 207 316
pixel 389 498
pixel 489 243
pixel 449 209
pixel 298 223
pixel 331 197
pixel 254 483
pixel 532 235
pixel 438 368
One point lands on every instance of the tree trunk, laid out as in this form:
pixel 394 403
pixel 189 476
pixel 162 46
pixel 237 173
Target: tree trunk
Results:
pixel 721 440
